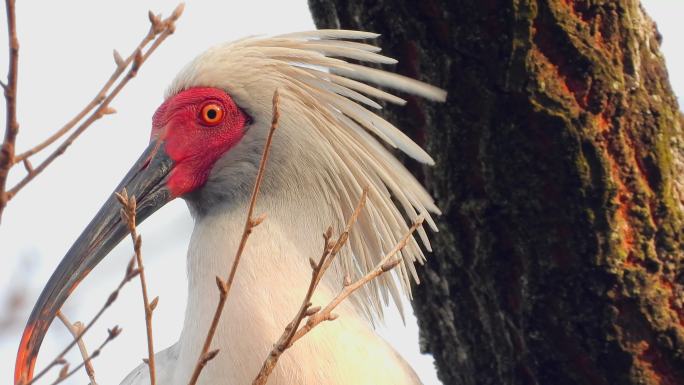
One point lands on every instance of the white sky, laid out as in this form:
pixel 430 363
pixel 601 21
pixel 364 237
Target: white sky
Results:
pixel 65 57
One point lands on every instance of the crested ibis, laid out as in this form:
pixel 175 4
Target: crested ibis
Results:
pixel 205 147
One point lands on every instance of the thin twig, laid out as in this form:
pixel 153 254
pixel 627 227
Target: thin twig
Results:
pixel 318 269
pixel 121 66
pixel 385 265
pixel 103 108
pixel 293 333
pixel 65 373
pixel 10 90
pixel 157 26
pixel 251 222
pixel 131 272
pixel 75 329
pixel 128 215
pixel 330 251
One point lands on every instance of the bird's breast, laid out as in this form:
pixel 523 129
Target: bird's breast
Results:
pixel 270 284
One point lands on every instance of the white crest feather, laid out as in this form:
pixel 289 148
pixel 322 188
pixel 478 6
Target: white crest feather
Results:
pixel 326 93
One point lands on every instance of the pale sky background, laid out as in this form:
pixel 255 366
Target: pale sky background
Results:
pixel 65 57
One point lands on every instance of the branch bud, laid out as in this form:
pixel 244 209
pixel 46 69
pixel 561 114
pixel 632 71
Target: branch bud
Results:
pixel 222 286
pixel 138 242
pixel 137 62
pixel 111 298
pixel 258 220
pixel 209 356
pixel 108 110
pixel 114 332
pixel 122 197
pixel 312 311
pixel 387 266
pixel 157 24
pixel 118 59
pixel 28 166
pixel 130 267
pixel 64 371
pixel 177 12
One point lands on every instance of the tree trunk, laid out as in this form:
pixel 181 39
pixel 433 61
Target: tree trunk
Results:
pixel 559 150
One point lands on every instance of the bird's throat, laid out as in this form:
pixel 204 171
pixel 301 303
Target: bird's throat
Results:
pixel 270 284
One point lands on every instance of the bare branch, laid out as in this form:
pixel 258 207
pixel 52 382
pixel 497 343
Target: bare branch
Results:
pixel 292 332
pixel 10 90
pixel 100 103
pixel 250 224
pixel 207 357
pixel 330 251
pixel 97 99
pixel 75 329
pixel 119 61
pixel 128 216
pixel 386 264
pixel 65 373
pixel 131 272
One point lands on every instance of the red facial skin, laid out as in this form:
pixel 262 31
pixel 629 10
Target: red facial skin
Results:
pixel 189 141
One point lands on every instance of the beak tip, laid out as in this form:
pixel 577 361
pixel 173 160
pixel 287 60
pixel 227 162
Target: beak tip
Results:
pixel 26 359
pixel 145 180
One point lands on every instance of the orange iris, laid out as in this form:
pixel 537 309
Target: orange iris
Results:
pixel 211 114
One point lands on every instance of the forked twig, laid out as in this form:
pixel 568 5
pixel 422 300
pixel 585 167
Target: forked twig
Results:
pixel 159 31
pixel 251 222
pixel 128 209
pixel 387 263
pixel 10 89
pixel 75 329
pixel 156 27
pixel 330 251
pixel 316 316
pixel 131 272
pixel 66 373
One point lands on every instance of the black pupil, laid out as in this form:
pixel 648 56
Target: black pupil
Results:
pixel 211 114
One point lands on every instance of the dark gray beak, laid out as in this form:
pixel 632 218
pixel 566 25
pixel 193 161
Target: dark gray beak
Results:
pixel 147 182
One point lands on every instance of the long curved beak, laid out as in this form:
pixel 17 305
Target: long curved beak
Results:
pixel 147 182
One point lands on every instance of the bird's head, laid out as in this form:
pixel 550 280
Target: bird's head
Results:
pixel 190 132
pixel 209 132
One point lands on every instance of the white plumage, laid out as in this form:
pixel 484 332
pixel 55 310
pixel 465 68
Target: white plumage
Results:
pixel 324 153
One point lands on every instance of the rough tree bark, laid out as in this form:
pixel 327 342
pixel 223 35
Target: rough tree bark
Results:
pixel 559 161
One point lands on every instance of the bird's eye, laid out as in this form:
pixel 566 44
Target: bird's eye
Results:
pixel 211 114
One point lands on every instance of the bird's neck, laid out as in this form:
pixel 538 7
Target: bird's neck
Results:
pixel 271 281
